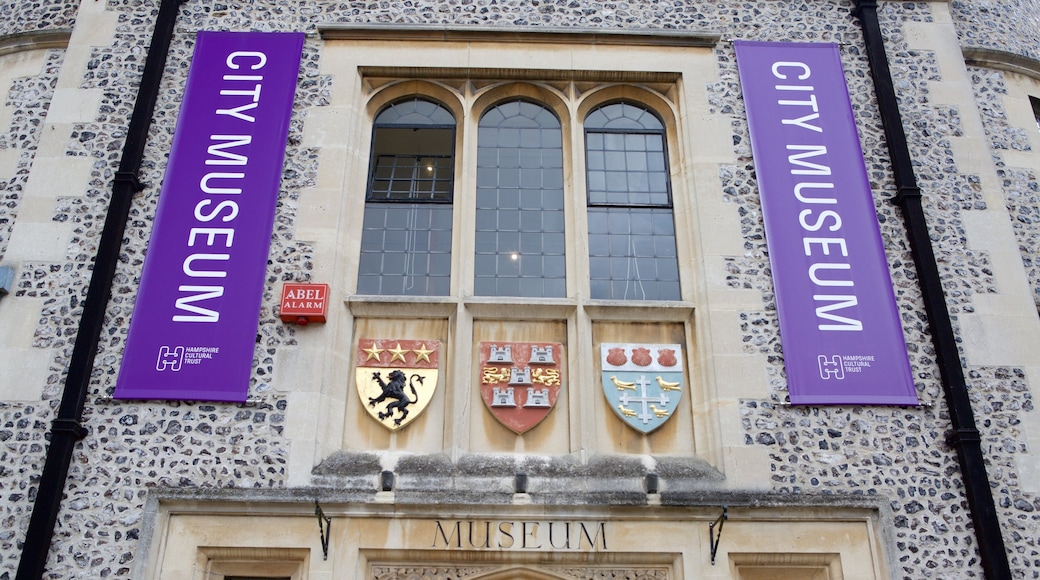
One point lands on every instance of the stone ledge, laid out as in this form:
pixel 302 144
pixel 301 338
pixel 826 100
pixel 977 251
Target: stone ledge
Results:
pixel 34 40
pixel 483 478
pixel 510 34
pixel 1002 60
pixel 296 501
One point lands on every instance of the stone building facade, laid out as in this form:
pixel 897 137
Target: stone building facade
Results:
pixel 301 481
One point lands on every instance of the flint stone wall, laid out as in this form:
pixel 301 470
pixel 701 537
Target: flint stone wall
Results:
pixel 894 453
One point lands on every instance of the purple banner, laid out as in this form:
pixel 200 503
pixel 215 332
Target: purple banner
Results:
pixel 842 337
pixel 195 319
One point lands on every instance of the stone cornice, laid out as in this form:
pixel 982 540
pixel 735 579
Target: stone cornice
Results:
pixel 1002 60
pixel 36 40
pixel 507 34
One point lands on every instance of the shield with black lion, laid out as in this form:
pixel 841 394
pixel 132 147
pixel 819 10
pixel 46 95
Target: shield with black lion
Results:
pixel 396 378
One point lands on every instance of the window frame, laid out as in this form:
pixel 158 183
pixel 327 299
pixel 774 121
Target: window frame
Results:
pixel 518 254
pixel 664 261
pixel 374 156
pixel 430 280
pixel 467 70
pixel 468 100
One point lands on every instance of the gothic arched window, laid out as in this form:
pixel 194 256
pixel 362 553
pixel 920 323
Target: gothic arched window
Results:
pixel 632 251
pixel 406 236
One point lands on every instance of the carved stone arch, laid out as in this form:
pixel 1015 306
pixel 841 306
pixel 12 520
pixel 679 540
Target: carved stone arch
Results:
pixel 547 96
pixel 520 573
pixel 541 94
pixel 435 92
pixel 1002 60
pixel 35 40
pixel 425 90
pixel 660 105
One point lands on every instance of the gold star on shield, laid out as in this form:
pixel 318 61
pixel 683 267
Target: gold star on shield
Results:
pixel 423 354
pixel 373 352
pixel 397 353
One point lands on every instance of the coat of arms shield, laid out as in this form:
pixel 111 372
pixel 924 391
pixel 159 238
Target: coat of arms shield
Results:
pixel 520 381
pixel 396 378
pixel 643 383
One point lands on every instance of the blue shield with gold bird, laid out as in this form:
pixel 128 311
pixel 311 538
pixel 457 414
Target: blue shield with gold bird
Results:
pixel 643 383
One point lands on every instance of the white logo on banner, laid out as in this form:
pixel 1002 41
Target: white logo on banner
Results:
pixel 169 358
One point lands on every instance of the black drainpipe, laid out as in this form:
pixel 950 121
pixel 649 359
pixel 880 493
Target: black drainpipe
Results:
pixel 66 429
pixel 964 436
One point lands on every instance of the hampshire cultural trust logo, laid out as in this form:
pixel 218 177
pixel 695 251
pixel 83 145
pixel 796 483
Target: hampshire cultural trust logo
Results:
pixel 174 358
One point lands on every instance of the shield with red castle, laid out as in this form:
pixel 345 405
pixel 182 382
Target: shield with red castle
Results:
pixel 520 381
pixel 396 378
pixel 643 383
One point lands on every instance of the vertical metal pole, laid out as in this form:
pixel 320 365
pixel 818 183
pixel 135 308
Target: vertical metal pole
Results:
pixel 964 437
pixel 66 429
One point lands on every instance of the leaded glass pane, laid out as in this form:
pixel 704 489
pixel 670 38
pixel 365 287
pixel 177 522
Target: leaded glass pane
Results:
pixel 415 111
pixel 624 116
pixel 627 169
pixel 405 250
pixel 411 177
pixel 519 238
pixel 629 258
pixel 406 234
pixel 632 251
pixel 413 153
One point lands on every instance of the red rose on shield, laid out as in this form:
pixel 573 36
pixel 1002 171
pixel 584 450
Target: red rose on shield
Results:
pixel 616 356
pixel 667 357
pixel 641 356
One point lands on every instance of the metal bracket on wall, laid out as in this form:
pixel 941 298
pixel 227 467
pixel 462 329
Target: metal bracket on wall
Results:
pixel 324 529
pixel 713 539
pixel 6 280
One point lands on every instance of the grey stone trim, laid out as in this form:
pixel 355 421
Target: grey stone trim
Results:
pixel 149 515
pixel 521 74
pixel 508 34
pixel 300 501
pixel 34 40
pixel 481 478
pixel 1002 60
pixel 395 306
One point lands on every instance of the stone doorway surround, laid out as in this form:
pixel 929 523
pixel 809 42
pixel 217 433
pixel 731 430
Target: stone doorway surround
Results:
pixel 219 534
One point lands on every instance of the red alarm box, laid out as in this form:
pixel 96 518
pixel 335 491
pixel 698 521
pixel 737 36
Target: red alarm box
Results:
pixel 304 303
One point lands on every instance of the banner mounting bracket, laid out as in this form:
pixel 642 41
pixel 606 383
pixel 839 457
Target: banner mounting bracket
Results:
pixel 325 529
pixel 713 539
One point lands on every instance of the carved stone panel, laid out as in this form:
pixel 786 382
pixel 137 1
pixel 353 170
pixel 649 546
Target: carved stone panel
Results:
pixel 513 572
